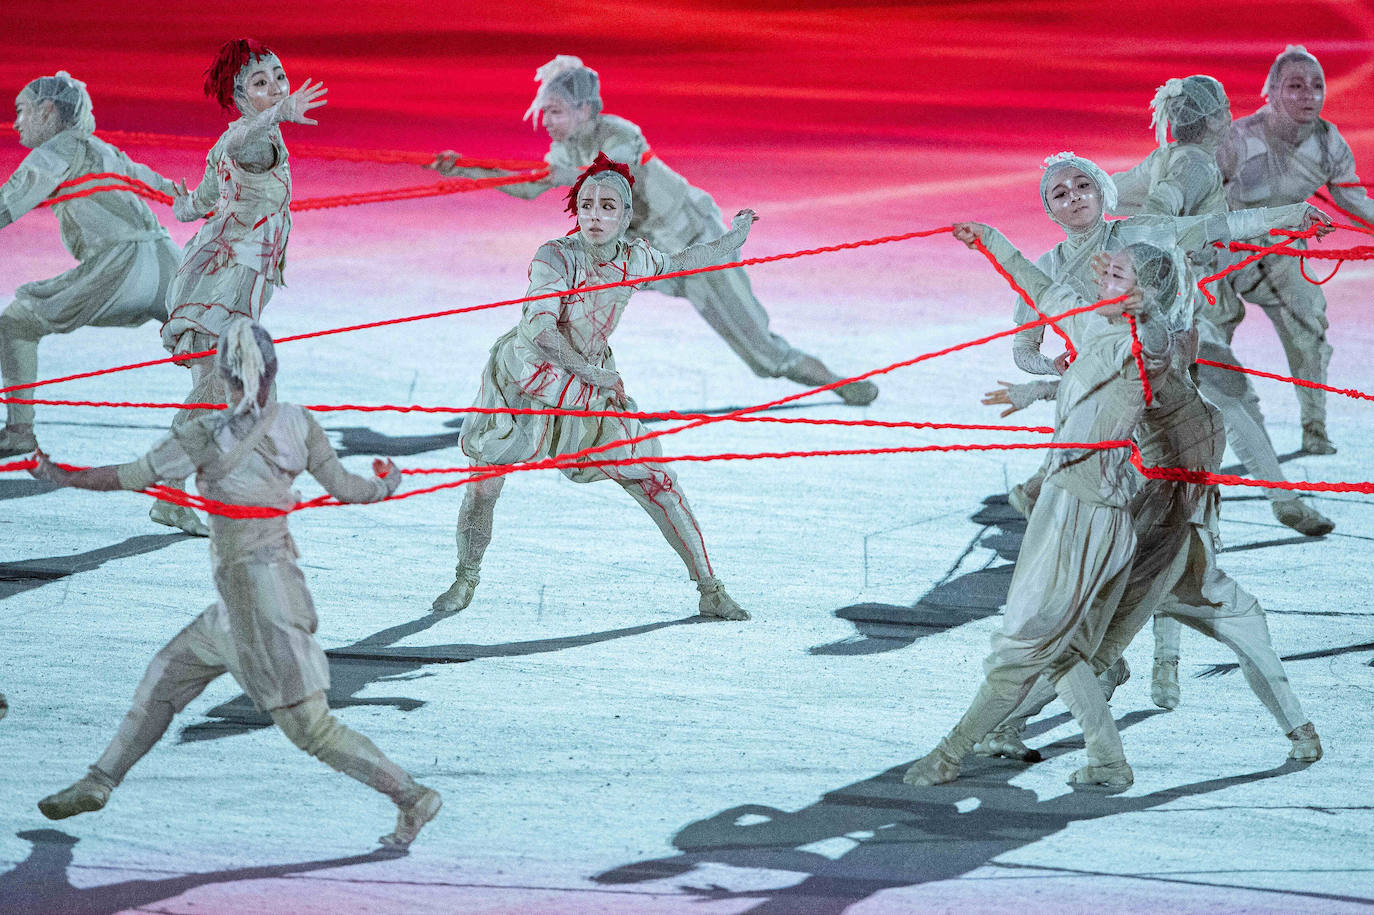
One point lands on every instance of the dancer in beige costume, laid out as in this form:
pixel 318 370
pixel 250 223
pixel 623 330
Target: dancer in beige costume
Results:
pixel 668 212
pixel 559 356
pixel 125 257
pixel 262 629
pixel 1078 547
pixel 236 260
pixel 1281 154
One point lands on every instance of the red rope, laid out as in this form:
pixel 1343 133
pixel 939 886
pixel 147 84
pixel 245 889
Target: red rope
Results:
pixel 1348 392
pixel 747 262
pixel 1302 268
pixel 1331 202
pixel 1259 252
pixel 1138 353
pixel 1025 296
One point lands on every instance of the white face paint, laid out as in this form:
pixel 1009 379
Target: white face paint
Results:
pixel 600 212
pixel 1119 277
pixel 265 84
pixel 1074 199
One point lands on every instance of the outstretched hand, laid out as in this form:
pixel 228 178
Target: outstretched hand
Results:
pixel 1133 304
pixel 1317 217
pixel 745 217
pixel 446 163
pixel 301 102
pixel 970 233
pixel 46 470
pixel 388 472
pixel 1001 396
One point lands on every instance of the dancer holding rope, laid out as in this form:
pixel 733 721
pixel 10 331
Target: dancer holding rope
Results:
pixel 559 356
pixel 235 262
pixel 668 212
pixel 1079 544
pixel 262 628
pixel 125 257
pixel 1284 153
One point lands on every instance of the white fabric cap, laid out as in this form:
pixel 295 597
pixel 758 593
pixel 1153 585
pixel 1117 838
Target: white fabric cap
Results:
pixel 246 357
pixel 1181 103
pixel 69 98
pixel 1291 54
pixel 567 77
pixel 1105 186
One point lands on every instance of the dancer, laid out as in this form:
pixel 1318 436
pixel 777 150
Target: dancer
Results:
pixel 1175 575
pixel 1075 193
pixel 668 212
pixel 1283 154
pixel 235 262
pixel 262 628
pixel 1078 547
pixel 125 257
pixel 559 356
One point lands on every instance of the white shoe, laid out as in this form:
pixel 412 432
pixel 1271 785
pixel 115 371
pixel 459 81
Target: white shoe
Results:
pixel 716 602
pixel 13 444
pixel 459 594
pixel 89 793
pixel 1164 683
pixel 1115 776
pixel 178 516
pixel 1303 518
pixel 1006 743
pixel 1314 440
pixel 412 818
pixel 1307 746
pixel 858 393
pixel 935 768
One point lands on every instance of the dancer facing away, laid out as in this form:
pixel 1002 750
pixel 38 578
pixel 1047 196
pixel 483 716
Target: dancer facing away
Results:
pixel 1181 178
pixel 668 212
pixel 125 257
pixel 559 356
pixel 235 262
pixel 262 628
pixel 1282 154
pixel 1078 547
pixel 1175 575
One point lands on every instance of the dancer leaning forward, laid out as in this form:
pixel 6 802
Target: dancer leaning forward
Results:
pixel 1078 547
pixel 559 356
pixel 262 628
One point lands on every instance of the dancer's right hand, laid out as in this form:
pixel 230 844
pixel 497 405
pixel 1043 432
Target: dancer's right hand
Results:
pixel 1001 396
pixel 301 102
pixel 970 233
pixel 446 163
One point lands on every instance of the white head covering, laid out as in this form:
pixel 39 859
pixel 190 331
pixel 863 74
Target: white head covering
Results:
pixel 69 97
pixel 1062 160
pixel 247 358
pixel 1180 103
pixel 565 77
pixel 1291 54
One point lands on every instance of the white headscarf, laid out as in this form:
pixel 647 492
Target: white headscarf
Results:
pixel 1062 160
pixel 69 97
pixel 564 77
pixel 247 358
pixel 1183 102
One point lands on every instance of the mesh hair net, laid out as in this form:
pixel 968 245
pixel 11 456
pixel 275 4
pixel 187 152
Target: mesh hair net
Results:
pixel 1294 53
pixel 568 78
pixel 1060 161
pixel 247 357
pixel 1157 272
pixel 1181 103
pixel 69 97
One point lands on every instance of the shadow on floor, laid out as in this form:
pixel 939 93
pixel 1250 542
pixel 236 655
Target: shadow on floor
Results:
pixel 952 601
pixel 373 660
pixel 880 834
pixel 1216 670
pixel 355 440
pixel 39 885
pixel 18 577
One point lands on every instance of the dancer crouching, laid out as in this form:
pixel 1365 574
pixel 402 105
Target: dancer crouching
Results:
pixel 262 628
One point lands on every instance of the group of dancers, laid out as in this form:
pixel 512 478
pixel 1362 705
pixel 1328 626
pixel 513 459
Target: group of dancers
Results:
pixel 1103 554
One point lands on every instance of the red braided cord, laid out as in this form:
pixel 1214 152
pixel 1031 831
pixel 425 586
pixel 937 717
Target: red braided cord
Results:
pixel 1302 268
pixel 1331 202
pixel 1259 252
pixel 1025 296
pixel 1138 353
pixel 189 357
pixel 1348 392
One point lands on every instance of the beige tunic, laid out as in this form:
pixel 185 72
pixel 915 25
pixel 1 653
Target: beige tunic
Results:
pixel 262 628
pixel 237 258
pixel 126 258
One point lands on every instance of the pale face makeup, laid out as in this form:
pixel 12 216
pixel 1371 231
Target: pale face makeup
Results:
pixel 266 84
pixel 599 212
pixel 562 118
pixel 1118 278
pixel 1074 199
pixel 35 122
pixel 1301 91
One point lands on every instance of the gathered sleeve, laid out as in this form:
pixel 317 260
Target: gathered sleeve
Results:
pixel 32 182
pixel 167 460
pixel 323 464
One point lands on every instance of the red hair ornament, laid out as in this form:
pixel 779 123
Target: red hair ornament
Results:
pixel 233 56
pixel 602 163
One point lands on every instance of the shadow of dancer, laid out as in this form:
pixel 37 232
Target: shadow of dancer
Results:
pixel 355 440
pixel 18 577
pixel 880 834
pixel 952 601
pixel 39 884
pixel 353 668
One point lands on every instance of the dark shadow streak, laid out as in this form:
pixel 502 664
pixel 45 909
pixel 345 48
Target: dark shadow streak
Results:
pixel 22 489
pixel 901 835
pixel 18 577
pixel 1216 670
pixel 354 440
pixel 950 602
pixel 353 668
pixel 39 885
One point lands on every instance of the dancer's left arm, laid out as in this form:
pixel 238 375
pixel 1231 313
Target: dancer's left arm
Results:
pixel 720 251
